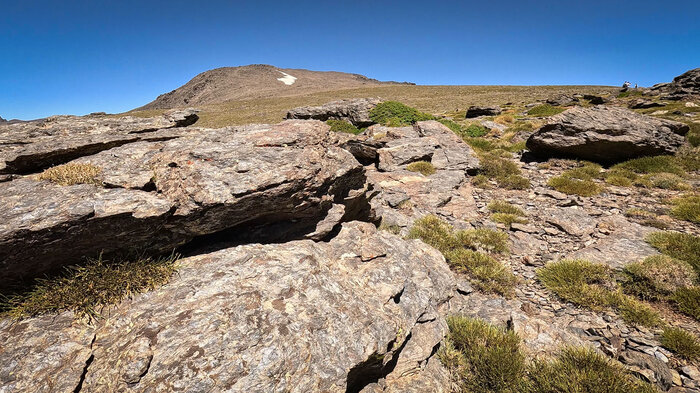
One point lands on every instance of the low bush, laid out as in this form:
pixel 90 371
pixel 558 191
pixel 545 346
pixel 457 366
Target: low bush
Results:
pixel 657 277
pixel 513 182
pixel 396 114
pixel 686 208
pixel 545 110
pixel 481 181
pixel 572 186
pixel 423 167
pixel 482 357
pixel 687 300
pixel 508 219
pixel 655 164
pixel 454 127
pixel 582 370
pixel 639 213
pixel 683 246
pixel 506 213
pixel 87 289
pixel 459 249
pixel 343 126
pixel 504 171
pixel 475 131
pixel 681 342
pixel 593 286
pixel 70 174
pixel 668 181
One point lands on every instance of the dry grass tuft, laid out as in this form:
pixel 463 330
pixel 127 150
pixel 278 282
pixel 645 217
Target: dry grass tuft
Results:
pixel 70 174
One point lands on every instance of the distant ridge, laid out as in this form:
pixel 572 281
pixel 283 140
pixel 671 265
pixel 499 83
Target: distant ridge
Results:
pixel 257 81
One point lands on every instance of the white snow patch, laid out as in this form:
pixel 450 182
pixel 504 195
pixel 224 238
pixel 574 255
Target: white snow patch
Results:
pixel 286 79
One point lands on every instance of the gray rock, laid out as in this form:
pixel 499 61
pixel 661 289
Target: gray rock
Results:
pixel 476 111
pixel 27 147
pixel 294 317
pixel 356 111
pixel 687 84
pixel 562 100
pixel 575 222
pixel 645 104
pixel 290 174
pixel 594 99
pixel 606 134
pixel 623 246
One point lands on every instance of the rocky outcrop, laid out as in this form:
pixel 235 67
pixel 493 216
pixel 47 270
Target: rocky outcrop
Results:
pixel 563 100
pixel 360 310
pixel 645 104
pixel 163 194
pixel 28 147
pixel 687 84
pixel 356 111
pixel 476 111
pixel 606 134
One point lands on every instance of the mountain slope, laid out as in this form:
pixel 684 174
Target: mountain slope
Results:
pixel 256 81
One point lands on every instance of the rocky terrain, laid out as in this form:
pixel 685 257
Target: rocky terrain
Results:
pixel 331 251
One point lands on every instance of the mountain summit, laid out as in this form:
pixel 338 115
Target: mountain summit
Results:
pixel 256 81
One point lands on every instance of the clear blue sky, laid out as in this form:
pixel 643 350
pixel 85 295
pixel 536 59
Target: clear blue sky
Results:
pixel 79 56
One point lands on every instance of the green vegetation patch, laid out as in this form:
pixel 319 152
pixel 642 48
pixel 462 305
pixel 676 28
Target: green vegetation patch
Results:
pixel 686 208
pixel 593 286
pixel 506 213
pixel 474 131
pixel 579 180
pixel 460 249
pixel 423 167
pixel 506 173
pixel 578 370
pixel 545 110
pixel 485 358
pixel 343 126
pixel 87 289
pixel 681 342
pixel 693 136
pixel 654 164
pixel 456 128
pixel 396 114
pixel 683 246
pixel 657 277
pixel 70 174
pixel 687 300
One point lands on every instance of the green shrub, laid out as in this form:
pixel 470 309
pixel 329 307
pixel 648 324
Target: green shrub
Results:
pixel 571 186
pixel 513 182
pixel 423 167
pixel 505 207
pixel 71 174
pixel 639 213
pixel 485 272
pixel 687 300
pixel 484 239
pixel 582 370
pixel 87 289
pixel 456 128
pixel 545 110
pixel 657 277
pixel 592 285
pixel 488 275
pixel 683 246
pixel 618 181
pixel 480 144
pixel 689 158
pixel 343 126
pixel 655 164
pixel 481 181
pixel 686 208
pixel 482 357
pixel 586 171
pixel 681 342
pixel 475 131
pixel 668 181
pixel 396 114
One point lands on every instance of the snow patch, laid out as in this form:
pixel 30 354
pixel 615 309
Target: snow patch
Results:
pixel 286 79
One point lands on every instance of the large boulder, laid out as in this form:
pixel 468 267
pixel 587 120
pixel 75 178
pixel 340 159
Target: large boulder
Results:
pixel 356 111
pixel 162 194
pixel 476 111
pixel 27 147
pixel 687 84
pixel 606 134
pixel 297 317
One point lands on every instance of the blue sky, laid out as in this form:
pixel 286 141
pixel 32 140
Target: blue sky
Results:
pixel 76 57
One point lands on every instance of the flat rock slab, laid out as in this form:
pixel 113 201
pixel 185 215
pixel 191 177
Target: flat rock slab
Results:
pixel 198 184
pixel 294 317
pixel 572 220
pixel 355 111
pixel 606 134
pixel 623 246
pixel 27 147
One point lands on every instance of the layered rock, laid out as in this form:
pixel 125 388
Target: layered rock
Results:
pixel 27 147
pixel 356 111
pixel 606 134
pixel 164 194
pixel 476 111
pixel 359 311
pixel 687 84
